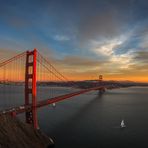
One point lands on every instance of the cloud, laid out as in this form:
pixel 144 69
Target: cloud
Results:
pixel 80 37
pixel 6 54
pixel 78 67
pixel 141 57
pixel 61 38
pixel 106 47
pixel 78 63
pixel 105 24
pixel 109 19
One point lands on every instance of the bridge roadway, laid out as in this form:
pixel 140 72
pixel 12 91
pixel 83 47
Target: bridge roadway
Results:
pixel 23 108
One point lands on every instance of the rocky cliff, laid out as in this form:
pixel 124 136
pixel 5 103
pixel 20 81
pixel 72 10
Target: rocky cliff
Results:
pixel 15 134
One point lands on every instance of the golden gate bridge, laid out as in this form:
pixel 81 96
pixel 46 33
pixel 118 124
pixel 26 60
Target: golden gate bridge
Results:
pixel 28 82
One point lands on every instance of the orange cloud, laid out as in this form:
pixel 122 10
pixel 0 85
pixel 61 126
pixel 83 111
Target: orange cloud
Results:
pixel 82 68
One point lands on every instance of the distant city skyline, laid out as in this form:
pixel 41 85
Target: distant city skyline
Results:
pixel 82 38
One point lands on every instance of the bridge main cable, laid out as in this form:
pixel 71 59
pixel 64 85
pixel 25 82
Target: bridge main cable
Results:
pixel 12 59
pixel 54 71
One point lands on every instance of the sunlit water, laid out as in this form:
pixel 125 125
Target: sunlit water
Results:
pixel 93 121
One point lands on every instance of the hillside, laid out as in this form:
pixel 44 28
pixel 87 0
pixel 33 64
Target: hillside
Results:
pixel 15 134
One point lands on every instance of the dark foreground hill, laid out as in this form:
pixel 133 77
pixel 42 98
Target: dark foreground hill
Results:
pixel 15 134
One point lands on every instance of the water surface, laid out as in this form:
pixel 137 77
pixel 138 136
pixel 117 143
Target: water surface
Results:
pixel 92 121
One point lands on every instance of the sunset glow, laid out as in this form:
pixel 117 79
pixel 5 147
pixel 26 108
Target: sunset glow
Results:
pixel 82 39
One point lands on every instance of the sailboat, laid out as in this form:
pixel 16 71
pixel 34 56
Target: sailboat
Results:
pixel 122 124
pixel 53 105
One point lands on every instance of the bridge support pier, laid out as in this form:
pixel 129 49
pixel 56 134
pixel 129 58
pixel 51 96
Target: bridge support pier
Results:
pixel 101 91
pixel 30 87
pixel 13 114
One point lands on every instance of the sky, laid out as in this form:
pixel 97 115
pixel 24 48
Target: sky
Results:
pixel 82 38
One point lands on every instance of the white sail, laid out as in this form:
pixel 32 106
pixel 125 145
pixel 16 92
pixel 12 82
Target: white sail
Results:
pixel 123 124
pixel 53 104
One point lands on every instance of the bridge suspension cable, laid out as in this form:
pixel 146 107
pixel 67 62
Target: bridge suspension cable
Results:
pixel 51 69
pixel 12 74
pixel 30 74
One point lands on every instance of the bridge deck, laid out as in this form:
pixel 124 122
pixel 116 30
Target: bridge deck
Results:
pixel 23 108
